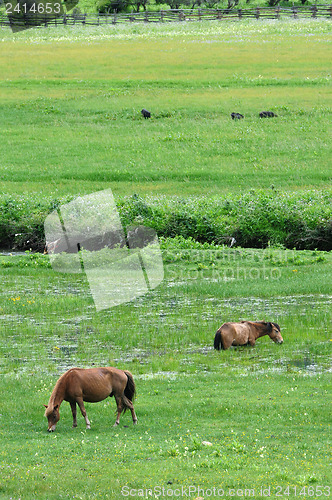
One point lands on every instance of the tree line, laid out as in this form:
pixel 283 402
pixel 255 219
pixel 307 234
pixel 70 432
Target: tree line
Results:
pixel 110 6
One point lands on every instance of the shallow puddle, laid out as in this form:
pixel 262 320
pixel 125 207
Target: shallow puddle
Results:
pixel 55 323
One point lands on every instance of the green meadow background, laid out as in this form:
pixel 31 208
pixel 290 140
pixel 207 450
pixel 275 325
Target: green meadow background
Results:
pixel 246 418
pixel 71 101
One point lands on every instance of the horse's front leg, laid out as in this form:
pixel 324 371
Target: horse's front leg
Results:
pixel 83 411
pixel 74 412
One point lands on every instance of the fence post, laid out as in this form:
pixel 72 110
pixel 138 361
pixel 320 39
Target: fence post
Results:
pixel 331 11
pixel 278 12
pixel 257 13
pixel 314 10
pixel 199 14
pixel 240 13
pixel 294 11
pixel 114 17
pixel 161 15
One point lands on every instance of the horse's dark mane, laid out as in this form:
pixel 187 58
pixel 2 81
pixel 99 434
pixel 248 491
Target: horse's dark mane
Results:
pixel 267 324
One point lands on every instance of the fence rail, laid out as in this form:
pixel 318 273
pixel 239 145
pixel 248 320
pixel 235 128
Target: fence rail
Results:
pixel 175 15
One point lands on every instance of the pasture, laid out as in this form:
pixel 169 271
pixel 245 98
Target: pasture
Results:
pixel 242 420
pixel 263 409
pixel 71 102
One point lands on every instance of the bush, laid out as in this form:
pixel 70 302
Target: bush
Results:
pixel 255 219
pixel 22 221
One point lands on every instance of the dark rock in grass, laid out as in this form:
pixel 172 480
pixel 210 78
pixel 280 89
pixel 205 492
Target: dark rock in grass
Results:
pixel 146 113
pixel 236 116
pixel 267 114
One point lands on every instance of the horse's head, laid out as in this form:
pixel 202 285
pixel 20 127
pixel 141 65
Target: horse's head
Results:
pixel 53 416
pixel 274 333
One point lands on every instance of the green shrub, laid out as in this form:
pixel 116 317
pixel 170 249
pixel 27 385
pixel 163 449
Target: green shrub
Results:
pixel 255 219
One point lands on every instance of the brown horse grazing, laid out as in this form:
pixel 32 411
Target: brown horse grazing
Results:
pixel 91 385
pixel 245 332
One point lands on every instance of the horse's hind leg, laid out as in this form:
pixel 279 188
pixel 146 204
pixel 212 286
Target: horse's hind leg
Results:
pixel 130 405
pixel 119 409
pixel 226 341
pixel 133 414
pixel 83 411
pixel 73 410
pixel 122 402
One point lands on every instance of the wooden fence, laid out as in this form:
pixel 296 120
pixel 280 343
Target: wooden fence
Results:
pixel 178 15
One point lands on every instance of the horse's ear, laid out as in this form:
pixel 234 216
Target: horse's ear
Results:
pixel 269 327
pixel 46 406
pixel 56 407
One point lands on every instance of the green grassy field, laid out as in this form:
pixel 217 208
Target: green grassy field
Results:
pixel 243 420
pixel 71 101
pixel 263 410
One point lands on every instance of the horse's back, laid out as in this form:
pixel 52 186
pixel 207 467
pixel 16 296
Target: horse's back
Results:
pixel 238 331
pixel 234 328
pixel 94 384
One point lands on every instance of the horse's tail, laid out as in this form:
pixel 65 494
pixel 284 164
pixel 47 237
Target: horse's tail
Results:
pixel 217 341
pixel 130 389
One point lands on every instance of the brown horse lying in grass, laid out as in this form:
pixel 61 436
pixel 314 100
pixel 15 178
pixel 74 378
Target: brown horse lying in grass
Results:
pixel 92 385
pixel 245 332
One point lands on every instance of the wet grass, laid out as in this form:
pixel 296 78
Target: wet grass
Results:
pixel 202 288
pixel 262 409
